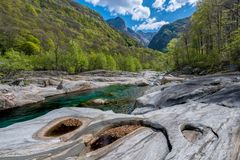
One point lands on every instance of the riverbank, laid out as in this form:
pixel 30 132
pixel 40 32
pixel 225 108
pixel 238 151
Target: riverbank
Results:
pixel 117 98
pixel 32 87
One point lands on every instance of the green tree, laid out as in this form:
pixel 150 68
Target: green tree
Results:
pixel 30 48
pixel 82 62
pixel 172 48
pixel 234 47
pixel 74 60
pixel 31 45
pixel 138 65
pixel 44 61
pixel 130 64
pixel 111 63
pixel 100 61
pixel 206 43
pixel 91 59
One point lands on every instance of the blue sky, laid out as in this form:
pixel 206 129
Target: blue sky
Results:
pixel 146 15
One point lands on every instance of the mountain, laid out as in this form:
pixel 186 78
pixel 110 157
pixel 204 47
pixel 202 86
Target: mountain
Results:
pixel 48 21
pixel 147 35
pixel 119 24
pixel 167 33
pixel 64 35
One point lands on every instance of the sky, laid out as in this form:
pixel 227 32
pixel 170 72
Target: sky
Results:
pixel 146 15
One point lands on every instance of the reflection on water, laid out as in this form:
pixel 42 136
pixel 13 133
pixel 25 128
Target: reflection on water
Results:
pixel 122 98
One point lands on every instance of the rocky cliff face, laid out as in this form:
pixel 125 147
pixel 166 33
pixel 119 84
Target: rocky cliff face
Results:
pixel 147 35
pixel 119 24
pixel 180 120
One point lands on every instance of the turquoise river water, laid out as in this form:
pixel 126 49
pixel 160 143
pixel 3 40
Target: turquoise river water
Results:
pixel 122 99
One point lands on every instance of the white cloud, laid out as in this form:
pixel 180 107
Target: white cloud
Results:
pixel 172 5
pixel 134 8
pixel 176 4
pixel 150 24
pixel 159 4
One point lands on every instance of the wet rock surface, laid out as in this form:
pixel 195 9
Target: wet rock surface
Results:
pixel 190 120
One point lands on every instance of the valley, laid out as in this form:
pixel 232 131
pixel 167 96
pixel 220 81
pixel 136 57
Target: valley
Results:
pixel 124 80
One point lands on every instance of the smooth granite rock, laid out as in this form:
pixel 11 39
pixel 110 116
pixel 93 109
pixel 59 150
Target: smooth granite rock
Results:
pixel 217 89
pixel 188 131
pixel 198 119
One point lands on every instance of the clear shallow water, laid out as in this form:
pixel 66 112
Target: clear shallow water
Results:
pixel 122 96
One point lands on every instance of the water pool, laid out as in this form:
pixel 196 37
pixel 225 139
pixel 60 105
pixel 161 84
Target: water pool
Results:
pixel 122 97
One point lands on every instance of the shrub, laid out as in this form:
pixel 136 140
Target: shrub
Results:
pixel 45 61
pixel 14 61
pixel 30 48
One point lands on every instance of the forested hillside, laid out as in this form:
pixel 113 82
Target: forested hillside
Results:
pixel 212 42
pixel 63 35
pixel 167 33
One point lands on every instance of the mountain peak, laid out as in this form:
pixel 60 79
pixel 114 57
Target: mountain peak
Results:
pixel 117 23
pixel 119 19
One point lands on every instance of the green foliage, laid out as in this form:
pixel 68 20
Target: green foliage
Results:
pixel 82 62
pixel 44 61
pixel 31 9
pixel 171 45
pixel 55 21
pixel 14 61
pixel 111 63
pixel 33 39
pixel 71 69
pixel 30 48
pixel 132 64
pixel 138 65
pixel 50 45
pixel 63 35
pixel 74 60
pixel 129 64
pixel 100 61
pixel 234 47
pixel 212 41
pixel 235 43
